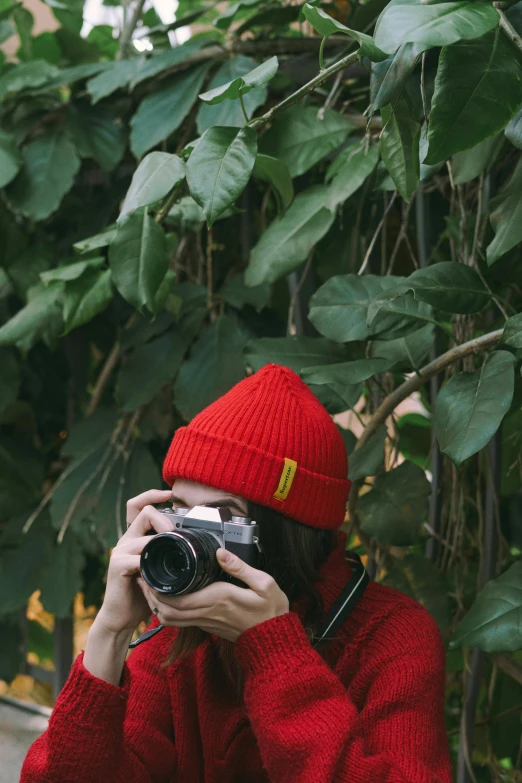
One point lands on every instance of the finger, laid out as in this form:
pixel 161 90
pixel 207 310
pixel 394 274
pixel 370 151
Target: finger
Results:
pixel 148 518
pixel 203 600
pixel 135 505
pixel 133 546
pixel 124 564
pixel 261 582
pixel 166 613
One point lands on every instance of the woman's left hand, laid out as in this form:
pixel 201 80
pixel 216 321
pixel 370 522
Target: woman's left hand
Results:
pixel 221 608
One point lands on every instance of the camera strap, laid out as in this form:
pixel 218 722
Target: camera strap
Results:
pixel 351 593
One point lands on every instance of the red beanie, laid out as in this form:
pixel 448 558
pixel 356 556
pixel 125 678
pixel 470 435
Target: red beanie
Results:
pixel 271 441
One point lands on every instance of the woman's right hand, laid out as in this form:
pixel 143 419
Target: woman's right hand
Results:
pixel 124 606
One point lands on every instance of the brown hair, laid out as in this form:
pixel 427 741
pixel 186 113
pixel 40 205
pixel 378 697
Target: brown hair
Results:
pixel 292 554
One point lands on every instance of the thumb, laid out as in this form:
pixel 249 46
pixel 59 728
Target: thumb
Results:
pixel 253 577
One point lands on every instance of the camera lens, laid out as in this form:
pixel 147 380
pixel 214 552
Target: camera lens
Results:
pixel 183 562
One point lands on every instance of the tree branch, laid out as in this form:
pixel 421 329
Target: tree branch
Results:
pixel 424 374
pixel 507 26
pixel 509 666
pixel 128 29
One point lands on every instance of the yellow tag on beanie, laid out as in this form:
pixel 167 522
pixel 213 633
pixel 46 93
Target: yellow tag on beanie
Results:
pixel 286 480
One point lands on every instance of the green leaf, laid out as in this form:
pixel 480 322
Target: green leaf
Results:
pixel 163 111
pixel 224 20
pixel 159 63
pixel 296 352
pixel 25 328
pixel 290 237
pixel 506 217
pixel 346 373
pixel 396 313
pixel 156 175
pixel 11 652
pixel 97 241
pixel 452 287
pixel 394 510
pixel 400 147
pixel 9 378
pixel 494 622
pixel 87 435
pixel 229 113
pixel 242 85
pixel 138 259
pixel 219 168
pixel 301 138
pixel 471 405
pixel 478 89
pixel 369 458
pixel 97 133
pixel 76 73
pixel 470 164
pixel 116 77
pixel 276 173
pixel 513 130
pixel 85 297
pixel 71 271
pixel 338 308
pixel 50 166
pixel 409 352
pixel 326 25
pixel 61 578
pixel 236 293
pixel 20 568
pixel 349 171
pixel 512 334
pixel 215 365
pixel 423 581
pixel 389 77
pixel 438 24
pixel 10 158
pixel 25 75
pixel 149 368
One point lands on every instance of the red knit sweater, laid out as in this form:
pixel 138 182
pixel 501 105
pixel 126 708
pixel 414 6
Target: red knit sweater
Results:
pixel 368 709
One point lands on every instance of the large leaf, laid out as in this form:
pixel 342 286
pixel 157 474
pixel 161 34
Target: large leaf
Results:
pixel 20 568
pixel 30 74
pixel 506 217
pixel 70 272
pixel 150 367
pixel 389 77
pixel 156 175
pixel 10 158
pixel 50 166
pixel 394 510
pixel 103 239
pixel 400 316
pixel 229 113
pixel 242 85
pixel 119 75
pixel 514 130
pixel 9 379
pixel 478 89
pixel 11 652
pixel 85 297
pixel 327 25
pixel 471 405
pixel 219 168
pixel 289 238
pixel 512 334
pixel 295 352
pixel 61 578
pixel 215 365
pixel 275 172
pixel 494 622
pixel 348 373
pixel 163 111
pixel 338 308
pixel 159 63
pixel 369 458
pixel 423 581
pixel 400 146
pixel 349 171
pixel 139 259
pixel 236 293
pixel 408 352
pixel 455 288
pixel 26 327
pixel 469 164
pixel 433 24
pixel 301 138
pixel 97 133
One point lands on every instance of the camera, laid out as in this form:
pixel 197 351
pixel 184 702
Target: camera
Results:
pixel 184 560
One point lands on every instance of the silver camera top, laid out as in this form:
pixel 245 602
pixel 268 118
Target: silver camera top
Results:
pixel 218 520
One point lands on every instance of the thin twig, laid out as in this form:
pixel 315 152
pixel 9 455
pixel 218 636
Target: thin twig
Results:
pixel 508 28
pixel 297 290
pixel 110 363
pixel 376 234
pixel 128 29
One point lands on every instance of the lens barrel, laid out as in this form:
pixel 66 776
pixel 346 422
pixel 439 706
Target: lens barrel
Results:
pixel 183 562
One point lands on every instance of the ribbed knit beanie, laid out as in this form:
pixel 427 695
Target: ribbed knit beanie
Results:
pixel 271 441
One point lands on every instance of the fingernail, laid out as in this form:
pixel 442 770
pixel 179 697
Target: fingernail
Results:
pixel 224 556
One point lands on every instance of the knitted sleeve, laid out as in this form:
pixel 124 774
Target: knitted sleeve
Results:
pixel 308 727
pixel 106 733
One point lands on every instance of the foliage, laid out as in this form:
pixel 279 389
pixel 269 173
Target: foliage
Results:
pixel 154 210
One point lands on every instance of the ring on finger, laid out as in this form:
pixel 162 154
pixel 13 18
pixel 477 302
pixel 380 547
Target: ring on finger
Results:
pixel 155 611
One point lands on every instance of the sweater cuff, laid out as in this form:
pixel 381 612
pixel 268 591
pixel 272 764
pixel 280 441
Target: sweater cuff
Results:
pixel 273 645
pixel 89 699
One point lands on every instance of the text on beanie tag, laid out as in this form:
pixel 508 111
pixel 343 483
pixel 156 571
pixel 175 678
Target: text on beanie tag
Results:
pixel 286 480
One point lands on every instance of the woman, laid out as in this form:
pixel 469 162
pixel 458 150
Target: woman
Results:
pixel 234 690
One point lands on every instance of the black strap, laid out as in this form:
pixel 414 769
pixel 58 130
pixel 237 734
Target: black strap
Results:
pixel 351 593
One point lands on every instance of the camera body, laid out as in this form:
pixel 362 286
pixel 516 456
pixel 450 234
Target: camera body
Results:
pixel 184 560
